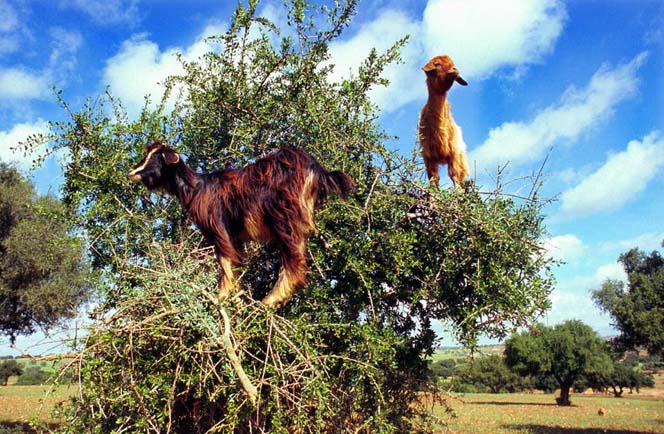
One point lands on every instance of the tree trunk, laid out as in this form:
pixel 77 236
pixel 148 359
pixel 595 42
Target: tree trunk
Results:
pixel 617 392
pixel 563 400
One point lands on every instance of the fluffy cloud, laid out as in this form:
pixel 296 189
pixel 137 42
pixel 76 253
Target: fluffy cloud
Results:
pixel 483 36
pixel 381 33
pixel 64 46
pixel 20 83
pixel 19 133
pixel 571 298
pixel 140 57
pixel 622 177
pixel 564 247
pixel 577 112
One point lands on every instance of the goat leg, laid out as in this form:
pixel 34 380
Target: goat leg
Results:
pixel 282 291
pixel 225 278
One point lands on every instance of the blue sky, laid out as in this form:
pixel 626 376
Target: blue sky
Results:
pixel 581 81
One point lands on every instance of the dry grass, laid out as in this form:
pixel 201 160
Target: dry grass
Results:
pixel 19 405
pixel 539 414
pixel 477 413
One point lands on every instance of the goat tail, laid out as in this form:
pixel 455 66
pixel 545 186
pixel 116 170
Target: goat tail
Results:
pixel 336 182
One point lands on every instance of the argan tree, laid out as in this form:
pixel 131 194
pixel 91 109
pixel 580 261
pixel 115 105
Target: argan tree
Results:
pixel 568 352
pixel 9 368
pixel 349 352
pixel 637 308
pixel 42 267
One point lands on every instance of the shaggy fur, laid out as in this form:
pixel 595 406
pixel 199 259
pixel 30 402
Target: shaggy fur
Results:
pixel 439 135
pixel 272 199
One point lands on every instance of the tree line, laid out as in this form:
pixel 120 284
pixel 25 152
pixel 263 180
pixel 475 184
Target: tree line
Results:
pixel 569 356
pixel 31 373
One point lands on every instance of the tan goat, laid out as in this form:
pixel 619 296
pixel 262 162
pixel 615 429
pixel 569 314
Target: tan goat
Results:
pixel 439 135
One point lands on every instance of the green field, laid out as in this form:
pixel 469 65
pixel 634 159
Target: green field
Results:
pixel 462 353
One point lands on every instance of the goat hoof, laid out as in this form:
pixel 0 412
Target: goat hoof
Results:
pixel 223 295
pixel 270 302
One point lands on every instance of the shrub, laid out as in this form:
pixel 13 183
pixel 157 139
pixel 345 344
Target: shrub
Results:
pixel 34 375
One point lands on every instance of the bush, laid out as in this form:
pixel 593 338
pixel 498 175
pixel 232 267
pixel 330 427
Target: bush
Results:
pixel 34 375
pixel 489 374
pixel 446 368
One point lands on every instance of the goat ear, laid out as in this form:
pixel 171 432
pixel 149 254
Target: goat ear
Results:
pixel 171 157
pixel 429 67
pixel 461 81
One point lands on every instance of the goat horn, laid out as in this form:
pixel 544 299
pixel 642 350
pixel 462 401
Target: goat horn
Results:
pixel 461 81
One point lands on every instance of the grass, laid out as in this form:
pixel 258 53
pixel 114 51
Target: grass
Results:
pixel 463 353
pixel 19 405
pixel 477 413
pixel 539 414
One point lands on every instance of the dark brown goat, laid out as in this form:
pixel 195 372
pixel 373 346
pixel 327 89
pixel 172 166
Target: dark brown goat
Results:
pixel 271 199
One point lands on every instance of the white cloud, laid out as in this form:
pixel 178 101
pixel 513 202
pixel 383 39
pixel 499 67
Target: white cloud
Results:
pixel 485 35
pixel 19 133
pixel 140 68
pixel 564 247
pixel 578 111
pixel 107 12
pixel 64 46
pixel 406 79
pixel 621 179
pixel 19 83
pixel 567 305
pixel 647 242
pixel 9 24
pixel 572 299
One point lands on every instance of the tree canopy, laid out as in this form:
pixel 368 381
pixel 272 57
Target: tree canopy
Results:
pixel 492 373
pixel 637 308
pixel 42 270
pixel 567 352
pixel 9 368
pixel 351 348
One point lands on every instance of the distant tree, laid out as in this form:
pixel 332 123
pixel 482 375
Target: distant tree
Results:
pixel 567 352
pixel 9 368
pixel 445 368
pixel 638 307
pixel 34 375
pixel 624 375
pixel 42 279
pixel 493 374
